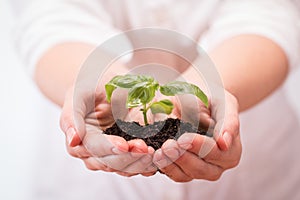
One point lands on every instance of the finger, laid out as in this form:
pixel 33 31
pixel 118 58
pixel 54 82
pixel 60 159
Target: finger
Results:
pixel 119 162
pixel 138 146
pixel 99 144
pixel 118 100
pixel 227 121
pixel 160 159
pixel 142 165
pixel 207 149
pixel 190 162
pixel 205 119
pixel 188 108
pixel 102 116
pixel 171 149
pixel 168 167
pixel 175 173
pixel 148 174
pixel 140 150
pixel 198 144
pixel 152 169
pixel 126 174
pixel 192 110
pixel 72 119
pixel 197 168
pixel 93 164
pixel 78 151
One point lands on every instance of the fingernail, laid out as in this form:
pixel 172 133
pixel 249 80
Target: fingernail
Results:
pixel 159 159
pixel 70 135
pixel 185 142
pixel 161 163
pixel 172 153
pixel 227 138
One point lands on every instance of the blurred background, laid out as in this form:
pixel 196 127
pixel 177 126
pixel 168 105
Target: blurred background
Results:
pixel 20 101
pixel 20 104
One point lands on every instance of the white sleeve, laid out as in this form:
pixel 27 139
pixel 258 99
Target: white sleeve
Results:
pixel 46 23
pixel 277 20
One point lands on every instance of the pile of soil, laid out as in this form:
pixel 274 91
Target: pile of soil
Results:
pixel 154 134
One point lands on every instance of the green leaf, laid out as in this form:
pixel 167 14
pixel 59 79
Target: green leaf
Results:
pixel 109 88
pixel 126 81
pixel 163 106
pixel 179 87
pixel 141 94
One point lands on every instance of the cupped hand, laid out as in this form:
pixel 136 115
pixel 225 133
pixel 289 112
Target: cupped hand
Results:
pixel 195 156
pixel 84 115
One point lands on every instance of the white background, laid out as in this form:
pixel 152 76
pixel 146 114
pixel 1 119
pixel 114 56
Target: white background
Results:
pixel 19 104
pixel 20 108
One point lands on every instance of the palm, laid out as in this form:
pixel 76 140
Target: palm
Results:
pixel 101 117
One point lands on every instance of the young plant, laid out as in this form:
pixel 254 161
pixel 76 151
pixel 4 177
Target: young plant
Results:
pixel 142 89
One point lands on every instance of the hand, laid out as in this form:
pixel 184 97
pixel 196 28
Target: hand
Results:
pixel 82 121
pixel 194 156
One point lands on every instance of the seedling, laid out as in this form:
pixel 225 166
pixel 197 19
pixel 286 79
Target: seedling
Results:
pixel 142 89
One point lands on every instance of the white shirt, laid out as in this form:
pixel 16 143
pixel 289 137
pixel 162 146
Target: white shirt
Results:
pixel 269 168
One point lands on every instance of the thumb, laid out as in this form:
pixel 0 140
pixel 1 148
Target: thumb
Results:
pixel 227 126
pixel 72 119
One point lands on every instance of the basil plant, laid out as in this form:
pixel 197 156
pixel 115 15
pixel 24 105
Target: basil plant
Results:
pixel 142 89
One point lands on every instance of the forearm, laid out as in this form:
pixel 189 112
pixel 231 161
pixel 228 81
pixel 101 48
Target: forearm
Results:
pixel 56 71
pixel 251 67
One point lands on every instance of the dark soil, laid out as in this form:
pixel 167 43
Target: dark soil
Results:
pixel 154 134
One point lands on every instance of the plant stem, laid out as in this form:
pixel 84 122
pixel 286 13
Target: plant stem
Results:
pixel 145 115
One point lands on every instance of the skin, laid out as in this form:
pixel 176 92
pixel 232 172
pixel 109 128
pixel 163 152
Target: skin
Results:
pixel 248 64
